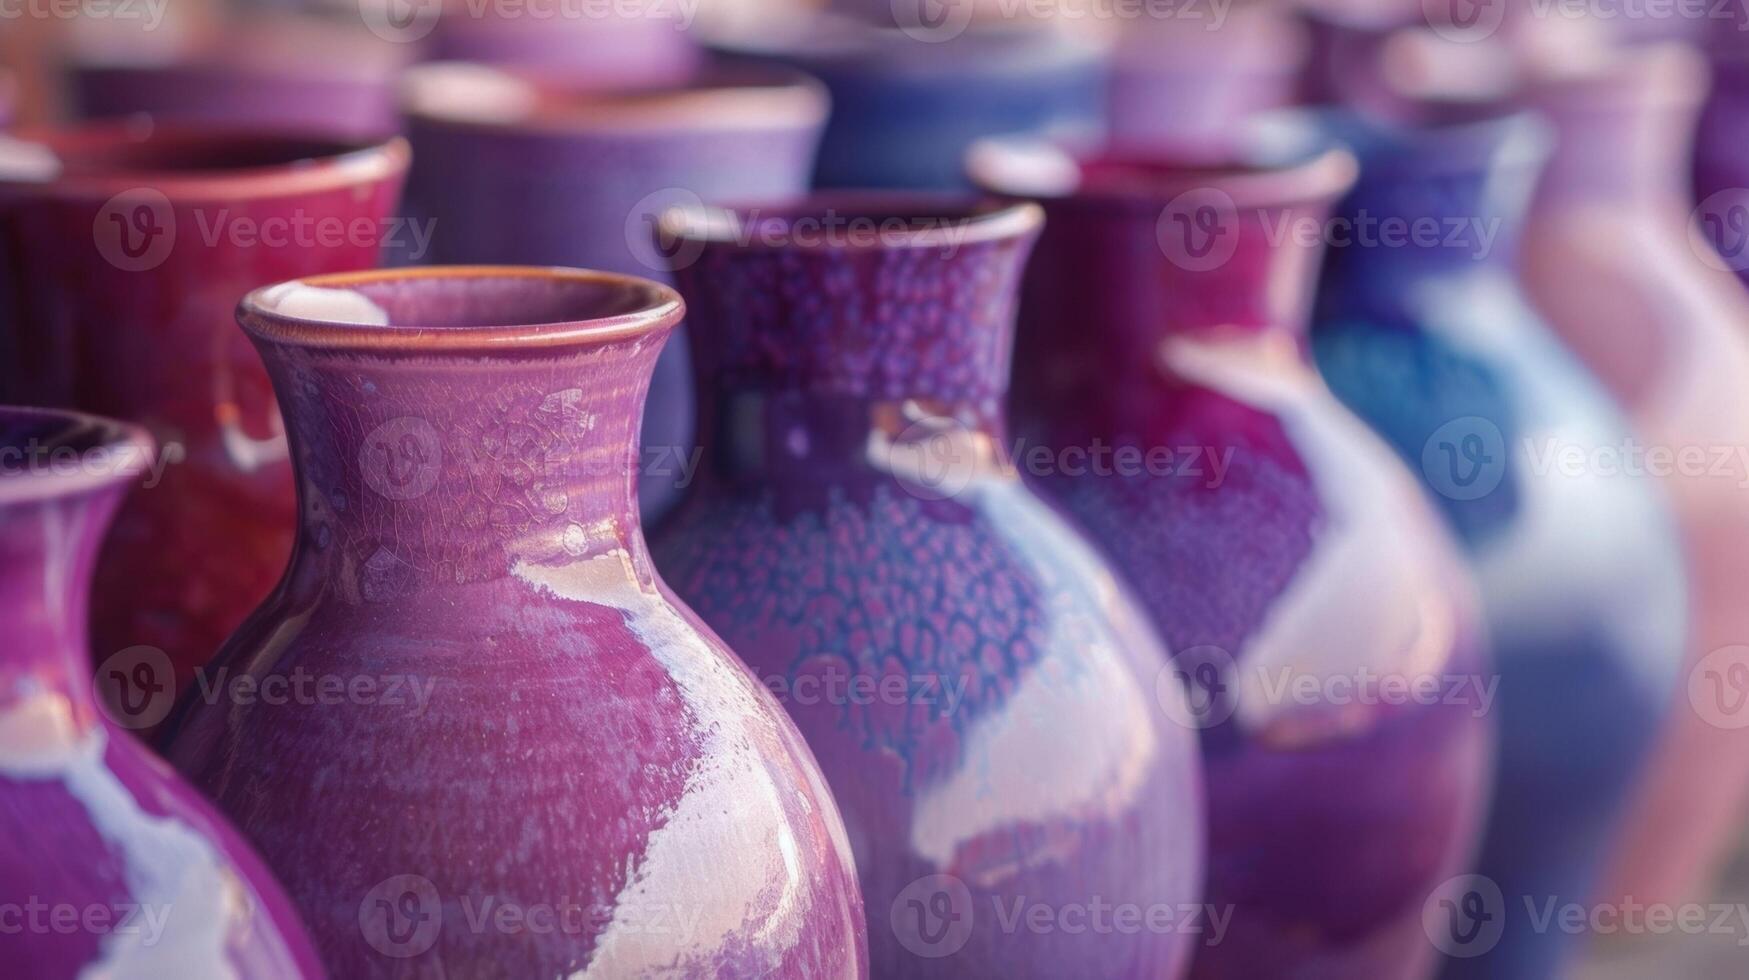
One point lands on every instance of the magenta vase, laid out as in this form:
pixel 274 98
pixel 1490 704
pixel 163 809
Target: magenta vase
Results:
pixel 990 709
pixel 109 865
pixel 514 169
pixel 1617 258
pixel 514 753
pixel 1284 553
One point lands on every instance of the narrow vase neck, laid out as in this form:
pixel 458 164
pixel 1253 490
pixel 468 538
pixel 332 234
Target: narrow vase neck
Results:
pixel 1625 136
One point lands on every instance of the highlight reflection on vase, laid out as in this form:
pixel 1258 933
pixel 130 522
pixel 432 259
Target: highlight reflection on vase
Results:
pixel 979 689
pixel 1280 549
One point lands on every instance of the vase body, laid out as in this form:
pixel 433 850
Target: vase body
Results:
pixel 568 742
pixel 904 107
pixel 1435 346
pixel 1721 167
pixel 980 693
pixel 122 274
pixel 1615 259
pixel 1284 554
pixel 557 177
pixel 157 884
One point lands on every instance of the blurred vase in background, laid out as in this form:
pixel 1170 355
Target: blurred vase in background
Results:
pixel 1429 338
pixel 582 44
pixel 1278 546
pixel 979 690
pixel 512 169
pixel 125 248
pixel 1616 258
pixel 907 102
pixel 1721 152
pixel 157 884
pixel 560 733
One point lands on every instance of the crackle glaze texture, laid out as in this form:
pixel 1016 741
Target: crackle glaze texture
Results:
pixel 979 690
pixel 1274 542
pixel 1615 259
pixel 554 770
pixel 109 864
pixel 121 274
pixel 558 177
pixel 1437 348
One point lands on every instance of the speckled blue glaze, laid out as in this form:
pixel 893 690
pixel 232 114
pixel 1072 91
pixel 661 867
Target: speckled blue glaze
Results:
pixel 1277 543
pixel 1581 576
pixel 905 106
pixel 858 527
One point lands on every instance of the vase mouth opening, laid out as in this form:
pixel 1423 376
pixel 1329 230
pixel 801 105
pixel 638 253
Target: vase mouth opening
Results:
pixel 448 308
pixel 842 222
pixel 192 161
pixel 49 453
pixel 725 97
pixel 1310 171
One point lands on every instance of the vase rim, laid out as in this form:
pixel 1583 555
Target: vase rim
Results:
pixel 870 220
pixel 108 453
pixel 191 161
pixel 477 95
pixel 1049 169
pixel 1649 74
pixel 600 307
pixel 1435 137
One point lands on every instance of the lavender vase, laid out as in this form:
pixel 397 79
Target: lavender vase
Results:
pixel 509 168
pixel 981 694
pixel 109 864
pixel 1432 342
pixel 512 753
pixel 1282 551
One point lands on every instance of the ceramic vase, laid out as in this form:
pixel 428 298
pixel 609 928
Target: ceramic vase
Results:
pixel 1616 258
pixel 1429 338
pixel 516 754
pixel 126 248
pixel 907 102
pixel 1721 168
pixel 980 692
pixel 617 46
pixel 512 169
pixel 109 865
pixel 1284 554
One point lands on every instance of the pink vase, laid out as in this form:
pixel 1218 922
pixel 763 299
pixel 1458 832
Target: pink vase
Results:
pixel 501 748
pixel 1617 263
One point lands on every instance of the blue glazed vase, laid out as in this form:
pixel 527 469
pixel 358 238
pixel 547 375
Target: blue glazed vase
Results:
pixel 990 709
pixel 1429 339
pixel 1314 605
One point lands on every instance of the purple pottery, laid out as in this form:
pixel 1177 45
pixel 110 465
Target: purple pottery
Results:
pixel 580 44
pixel 984 698
pixel 516 754
pixel 1721 150
pixel 109 864
pixel 123 250
pixel 1282 550
pixel 511 169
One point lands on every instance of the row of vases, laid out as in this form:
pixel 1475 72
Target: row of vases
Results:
pixel 464 443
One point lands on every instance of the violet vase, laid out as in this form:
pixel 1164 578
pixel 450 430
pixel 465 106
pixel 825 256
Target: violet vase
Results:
pixel 125 248
pixel 109 864
pixel 515 169
pixel 1721 163
pixel 985 699
pixel 500 747
pixel 599 45
pixel 1278 546
pixel 1616 257
pixel 1430 339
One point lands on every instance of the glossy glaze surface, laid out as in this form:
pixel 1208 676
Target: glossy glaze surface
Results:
pixel 542 765
pixel 122 272
pixel 980 691
pixel 109 864
pixel 1614 259
pixel 515 170
pixel 1581 573
pixel 1283 553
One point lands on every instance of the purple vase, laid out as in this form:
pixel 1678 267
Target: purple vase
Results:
pixel 1721 163
pixel 472 731
pixel 984 699
pixel 511 169
pixel 581 44
pixel 1288 559
pixel 109 864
